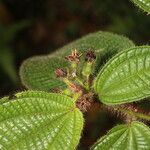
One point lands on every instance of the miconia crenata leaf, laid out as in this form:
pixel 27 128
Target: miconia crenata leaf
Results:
pixel 143 4
pixel 40 120
pixel 134 136
pixel 126 77
pixel 38 72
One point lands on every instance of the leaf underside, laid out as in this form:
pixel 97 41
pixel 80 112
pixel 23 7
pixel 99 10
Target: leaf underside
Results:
pixel 38 72
pixel 39 120
pixel 126 77
pixel 135 136
pixel 143 4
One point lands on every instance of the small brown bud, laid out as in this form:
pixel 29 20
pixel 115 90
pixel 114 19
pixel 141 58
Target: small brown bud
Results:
pixel 90 56
pixel 60 73
pixel 75 56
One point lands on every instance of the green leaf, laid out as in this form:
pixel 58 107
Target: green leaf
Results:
pixel 39 120
pixel 143 4
pixel 38 75
pixel 4 100
pixel 126 77
pixel 135 136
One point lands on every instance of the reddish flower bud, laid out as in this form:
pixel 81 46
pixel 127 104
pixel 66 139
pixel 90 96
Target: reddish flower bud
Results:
pixel 90 56
pixel 75 56
pixel 60 73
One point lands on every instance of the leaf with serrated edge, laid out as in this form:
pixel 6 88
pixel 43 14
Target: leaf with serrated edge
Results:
pixel 37 72
pixel 40 120
pixel 143 4
pixel 126 77
pixel 134 136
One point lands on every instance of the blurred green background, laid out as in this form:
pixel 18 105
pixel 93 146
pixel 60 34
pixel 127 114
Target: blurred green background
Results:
pixel 33 27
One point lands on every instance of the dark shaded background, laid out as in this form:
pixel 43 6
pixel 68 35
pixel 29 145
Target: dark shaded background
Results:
pixel 33 27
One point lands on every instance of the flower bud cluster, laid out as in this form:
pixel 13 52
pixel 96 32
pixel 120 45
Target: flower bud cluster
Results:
pixel 78 83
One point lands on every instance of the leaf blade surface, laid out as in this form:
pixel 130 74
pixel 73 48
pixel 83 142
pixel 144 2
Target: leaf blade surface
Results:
pixel 135 136
pixel 126 77
pixel 39 120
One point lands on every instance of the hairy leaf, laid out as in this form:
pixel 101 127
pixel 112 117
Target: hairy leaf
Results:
pixel 135 136
pixel 37 74
pixel 126 77
pixel 4 100
pixel 143 4
pixel 39 120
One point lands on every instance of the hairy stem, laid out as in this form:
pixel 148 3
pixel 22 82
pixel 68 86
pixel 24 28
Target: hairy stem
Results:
pixel 133 113
pixel 128 112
